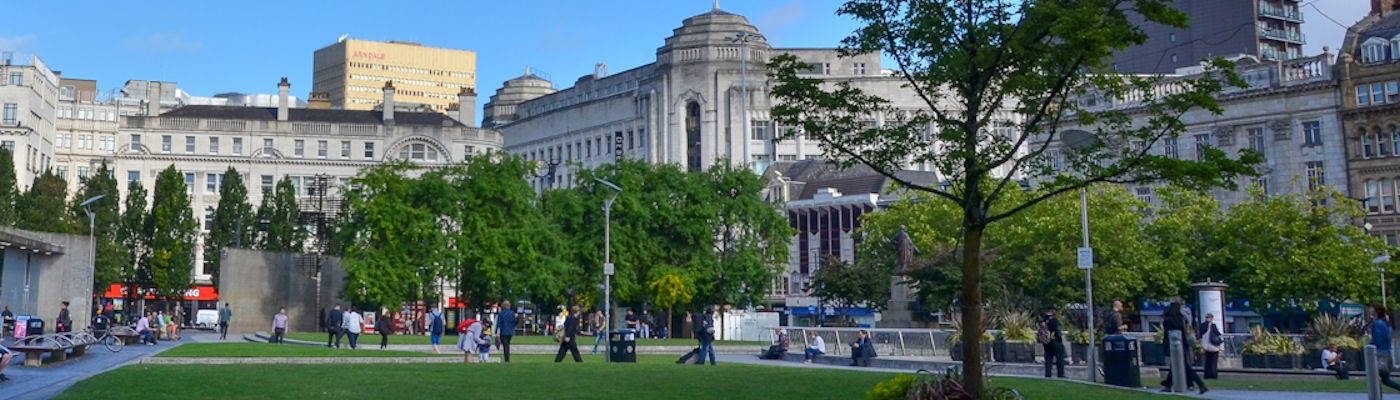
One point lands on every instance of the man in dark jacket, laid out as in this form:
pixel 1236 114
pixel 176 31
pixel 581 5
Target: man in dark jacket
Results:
pixel 705 332
pixel 1055 350
pixel 1113 321
pixel 333 321
pixel 505 328
pixel 569 342
pixel 65 323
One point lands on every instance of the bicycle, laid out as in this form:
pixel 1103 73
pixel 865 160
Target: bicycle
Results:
pixel 112 342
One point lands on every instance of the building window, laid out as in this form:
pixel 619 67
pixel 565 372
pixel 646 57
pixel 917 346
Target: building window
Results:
pixel 1202 142
pixel 1371 204
pixel 16 78
pixel 1377 93
pixel 237 146
pixel 1312 132
pixel 1144 194
pixel 211 184
pixel 826 68
pixel 858 69
pixel 322 147
pixel 189 144
pixel 1169 149
pixel 1382 143
pixel 418 152
pixel 1316 177
pixel 62 172
pixel 189 183
pixel 345 149
pixel 1392 91
pixel 85 142
pixel 267 147
pixel 133 176
pixel 213 145
pixel 11 115
pixel 82 175
pixel 1256 140
pixel 759 130
pixel 1367 150
pixel 298 148
pixel 266 184
pixel 165 143
pixel 1263 184
pixel 208 220
pixel 135 142
pixel 1172 37
pixel 1387 196
pixel 469 151
pixel 1173 57
pixel 1363 95
pixel 369 150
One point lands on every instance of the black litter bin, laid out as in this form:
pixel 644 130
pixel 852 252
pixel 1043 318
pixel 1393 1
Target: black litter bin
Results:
pixel 35 326
pixel 622 346
pixel 1120 361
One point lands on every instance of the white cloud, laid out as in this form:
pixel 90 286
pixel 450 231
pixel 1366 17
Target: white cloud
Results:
pixel 162 42
pixel 19 44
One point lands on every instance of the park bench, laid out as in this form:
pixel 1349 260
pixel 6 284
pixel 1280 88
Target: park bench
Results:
pixel 57 345
pixel 126 334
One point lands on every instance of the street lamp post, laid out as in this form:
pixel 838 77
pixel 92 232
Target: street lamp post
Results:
pixel 92 229
pixel 607 261
pixel 1377 262
pixel 1080 140
pixel 743 38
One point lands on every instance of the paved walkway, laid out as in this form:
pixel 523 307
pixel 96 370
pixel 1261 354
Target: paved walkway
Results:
pixel 51 379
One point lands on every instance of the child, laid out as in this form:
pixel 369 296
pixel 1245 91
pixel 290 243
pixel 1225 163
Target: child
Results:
pixel 483 350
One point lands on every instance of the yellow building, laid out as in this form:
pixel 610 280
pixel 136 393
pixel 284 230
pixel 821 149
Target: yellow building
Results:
pixel 352 73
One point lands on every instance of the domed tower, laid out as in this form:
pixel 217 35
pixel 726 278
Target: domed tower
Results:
pixel 708 63
pixel 500 110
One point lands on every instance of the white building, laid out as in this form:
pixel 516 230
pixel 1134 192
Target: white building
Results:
pixel 28 94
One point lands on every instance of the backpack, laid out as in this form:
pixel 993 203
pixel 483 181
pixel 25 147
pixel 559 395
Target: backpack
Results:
pixel 436 325
pixel 1044 335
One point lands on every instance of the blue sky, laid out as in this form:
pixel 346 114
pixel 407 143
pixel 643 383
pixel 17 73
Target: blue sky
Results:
pixel 210 47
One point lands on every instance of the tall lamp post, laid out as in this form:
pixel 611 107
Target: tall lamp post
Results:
pixel 607 261
pixel 1081 141
pixel 1377 262
pixel 92 230
pixel 743 38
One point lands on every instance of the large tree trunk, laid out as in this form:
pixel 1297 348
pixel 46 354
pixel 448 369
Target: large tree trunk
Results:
pixel 971 304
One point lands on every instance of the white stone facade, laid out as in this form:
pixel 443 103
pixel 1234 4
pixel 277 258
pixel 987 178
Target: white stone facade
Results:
pixel 28 95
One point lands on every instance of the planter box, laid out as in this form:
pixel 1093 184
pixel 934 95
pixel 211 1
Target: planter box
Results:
pixel 1285 361
pixel 1253 361
pixel 956 352
pixel 1013 351
pixel 1079 352
pixel 1353 359
pixel 1312 359
pixel 1152 353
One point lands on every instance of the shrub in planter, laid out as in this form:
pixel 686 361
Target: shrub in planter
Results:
pixel 1017 341
pixel 955 342
pixel 924 385
pixel 1325 330
pixel 1278 352
pixel 1154 352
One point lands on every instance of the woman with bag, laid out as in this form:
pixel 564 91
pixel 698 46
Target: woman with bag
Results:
pixel 1211 341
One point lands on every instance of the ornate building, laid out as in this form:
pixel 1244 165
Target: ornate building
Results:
pixel 1370 115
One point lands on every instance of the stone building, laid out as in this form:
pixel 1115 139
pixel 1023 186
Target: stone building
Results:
pixel 28 93
pixel 351 71
pixel 1268 29
pixel 310 146
pixel 1370 115
pixel 1288 113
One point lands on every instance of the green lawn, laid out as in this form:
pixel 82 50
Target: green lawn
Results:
pixel 528 377
pixel 1355 385
pixel 532 339
pixel 245 349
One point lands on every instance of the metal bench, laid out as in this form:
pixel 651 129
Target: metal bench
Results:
pixel 126 334
pixel 56 344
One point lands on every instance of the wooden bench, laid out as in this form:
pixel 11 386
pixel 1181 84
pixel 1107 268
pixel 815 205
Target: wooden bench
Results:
pixel 56 344
pixel 126 334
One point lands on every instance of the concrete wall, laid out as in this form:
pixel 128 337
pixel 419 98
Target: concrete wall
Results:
pixel 36 283
pixel 257 283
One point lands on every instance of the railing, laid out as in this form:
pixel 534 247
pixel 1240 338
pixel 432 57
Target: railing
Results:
pixel 1280 12
pixel 892 342
pixel 1284 35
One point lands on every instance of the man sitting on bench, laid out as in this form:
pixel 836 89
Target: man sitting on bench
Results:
pixel 143 327
pixel 5 356
pixel 1332 360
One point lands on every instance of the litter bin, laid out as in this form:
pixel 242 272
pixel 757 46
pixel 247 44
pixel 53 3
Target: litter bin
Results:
pixel 622 346
pixel 35 326
pixel 1120 361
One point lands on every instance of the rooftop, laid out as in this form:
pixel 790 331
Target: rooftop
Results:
pixel 309 115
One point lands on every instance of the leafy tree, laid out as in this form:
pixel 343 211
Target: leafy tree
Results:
pixel 278 219
pixel 670 288
pixel 111 254
pixel 9 188
pixel 43 206
pixel 173 229
pixel 134 270
pixel 392 242
pixel 973 62
pixel 845 285
pixel 233 222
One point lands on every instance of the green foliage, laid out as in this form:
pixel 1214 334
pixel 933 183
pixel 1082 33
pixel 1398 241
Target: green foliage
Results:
pixel 9 188
pixel 1326 330
pixel 1269 343
pixel 1078 336
pixel 278 219
pixel 987 323
pixel 394 246
pixel 43 205
pixel 896 388
pixel 173 229
pixel 233 224
pixel 1018 326
pixel 134 269
pixel 844 285
pixel 111 254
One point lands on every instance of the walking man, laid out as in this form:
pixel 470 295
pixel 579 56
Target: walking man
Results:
pixel 1055 350
pixel 436 325
pixel 1114 320
pixel 600 329
pixel 705 332
pixel 505 328
pixel 279 326
pixel 569 343
pixel 334 320
pixel 65 323
pixel 225 315
pixel 384 325
pixel 352 325
pixel 646 325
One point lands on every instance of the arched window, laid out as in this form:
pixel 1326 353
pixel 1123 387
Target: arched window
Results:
pixel 418 152
pixel 1367 150
pixel 1387 196
pixel 1372 205
pixel 1382 142
pixel 692 135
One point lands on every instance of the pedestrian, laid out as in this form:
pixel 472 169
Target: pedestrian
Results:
pixel 646 325
pixel 1174 320
pixel 1380 337
pixel 1055 349
pixel 483 347
pixel 279 326
pixel 705 333
pixel 353 324
pixel 437 324
pixel 569 342
pixel 384 325
pixel 815 348
pixel 65 323
pixel 1113 321
pixel 334 319
pixel 1211 340
pixel 505 329
pixel 5 356
pixel 600 328
pixel 9 321
pixel 225 315
pixel 632 321
pixel 143 327
pixel 862 350
pixel 469 338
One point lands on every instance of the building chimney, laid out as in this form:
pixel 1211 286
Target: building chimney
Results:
pixel 282 88
pixel 153 99
pixel 466 107
pixel 319 101
pixel 388 104
pixel 1382 7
